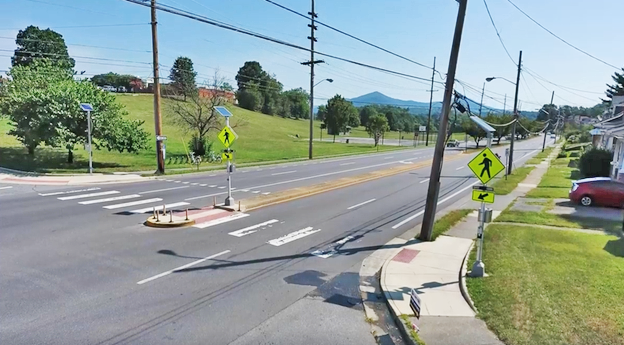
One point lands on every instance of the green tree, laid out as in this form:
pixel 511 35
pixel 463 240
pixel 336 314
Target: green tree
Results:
pixel 376 126
pixel 271 91
pixel 339 113
pixel 43 104
pixel 474 131
pixel 616 89
pixel 321 113
pixel 250 73
pixel 501 131
pixel 297 100
pixel 367 112
pixel 183 76
pixel 34 43
pixel 227 87
pixel 250 97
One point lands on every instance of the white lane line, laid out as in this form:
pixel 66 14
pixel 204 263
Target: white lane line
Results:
pixel 182 267
pixel 389 157
pixel 82 196
pixel 525 156
pixel 204 196
pixel 159 208
pixel 460 168
pixel 185 182
pixel 348 163
pixel 203 185
pixel 177 181
pixel 329 253
pixel 244 190
pixel 266 193
pixel 425 180
pixel 251 229
pixel 132 203
pixel 221 187
pixel 212 175
pixel 360 204
pixel 8 187
pixel 221 220
pixel 255 191
pixel 293 236
pixel 284 172
pixel 162 190
pixel 212 185
pixel 70 191
pixel 439 202
pixel 194 184
pixel 115 198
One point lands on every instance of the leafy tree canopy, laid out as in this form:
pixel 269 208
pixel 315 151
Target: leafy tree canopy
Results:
pixel 34 43
pixel 183 76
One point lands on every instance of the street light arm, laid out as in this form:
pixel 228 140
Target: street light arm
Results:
pixel 328 79
pixel 492 78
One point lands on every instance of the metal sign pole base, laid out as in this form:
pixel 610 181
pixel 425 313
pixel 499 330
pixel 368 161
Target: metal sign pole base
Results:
pixel 478 270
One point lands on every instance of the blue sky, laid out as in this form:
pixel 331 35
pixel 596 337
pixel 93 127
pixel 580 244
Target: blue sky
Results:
pixel 417 29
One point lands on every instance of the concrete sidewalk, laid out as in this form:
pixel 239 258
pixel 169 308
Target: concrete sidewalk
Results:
pixel 435 270
pixel 20 177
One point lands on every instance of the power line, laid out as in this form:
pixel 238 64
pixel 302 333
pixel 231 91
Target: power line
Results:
pixel 558 85
pixel 79 57
pixel 498 34
pixel 83 26
pixel 561 39
pixel 349 35
pixel 75 8
pixel 79 45
pixel 213 22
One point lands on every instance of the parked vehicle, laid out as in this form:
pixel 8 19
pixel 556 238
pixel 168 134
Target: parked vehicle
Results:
pixel 452 143
pixel 598 191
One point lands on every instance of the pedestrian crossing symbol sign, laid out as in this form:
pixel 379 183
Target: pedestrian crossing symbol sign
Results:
pixel 486 165
pixel 227 136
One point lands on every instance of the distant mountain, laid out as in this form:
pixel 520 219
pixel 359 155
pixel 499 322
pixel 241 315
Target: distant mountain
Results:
pixel 422 108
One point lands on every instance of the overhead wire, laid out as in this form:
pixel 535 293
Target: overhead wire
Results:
pixel 213 22
pixel 83 26
pixel 561 39
pixel 498 34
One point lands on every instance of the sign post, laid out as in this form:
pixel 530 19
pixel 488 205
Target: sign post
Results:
pixel 88 108
pixel 227 137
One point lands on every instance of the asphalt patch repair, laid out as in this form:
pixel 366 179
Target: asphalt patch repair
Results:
pixel 302 192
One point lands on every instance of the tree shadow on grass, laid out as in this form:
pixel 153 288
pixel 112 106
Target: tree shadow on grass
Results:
pixel 45 160
pixel 616 247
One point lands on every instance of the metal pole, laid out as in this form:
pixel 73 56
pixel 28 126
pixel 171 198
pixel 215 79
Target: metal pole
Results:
pixel 478 268
pixel 160 161
pixel 89 140
pixel 430 102
pixel 229 201
pixel 515 114
pixel 436 166
pixel 552 97
pixel 312 28
pixel 545 133
pixel 481 104
pixel 505 105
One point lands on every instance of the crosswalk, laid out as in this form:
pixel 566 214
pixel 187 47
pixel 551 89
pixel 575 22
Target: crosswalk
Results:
pixel 204 217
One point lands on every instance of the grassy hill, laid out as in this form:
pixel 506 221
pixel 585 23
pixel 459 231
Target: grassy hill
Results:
pixel 261 138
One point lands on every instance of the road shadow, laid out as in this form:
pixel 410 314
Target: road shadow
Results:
pixel 172 253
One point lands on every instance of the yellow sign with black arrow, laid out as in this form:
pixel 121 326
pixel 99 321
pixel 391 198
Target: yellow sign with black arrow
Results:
pixel 486 165
pixel 483 196
pixel 227 156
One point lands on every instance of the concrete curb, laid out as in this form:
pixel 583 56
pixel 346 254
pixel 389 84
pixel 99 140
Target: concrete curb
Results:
pixel 153 223
pixel 462 280
pixel 405 332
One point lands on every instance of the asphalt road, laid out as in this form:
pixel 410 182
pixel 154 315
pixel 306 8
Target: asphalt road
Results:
pixel 84 274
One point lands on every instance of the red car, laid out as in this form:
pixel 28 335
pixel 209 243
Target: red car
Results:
pixel 598 191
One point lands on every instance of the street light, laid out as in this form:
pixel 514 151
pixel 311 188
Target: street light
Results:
pixel 489 79
pixel 328 79
pixel 312 116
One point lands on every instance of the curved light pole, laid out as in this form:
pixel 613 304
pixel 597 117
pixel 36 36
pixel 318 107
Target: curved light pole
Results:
pixel 312 116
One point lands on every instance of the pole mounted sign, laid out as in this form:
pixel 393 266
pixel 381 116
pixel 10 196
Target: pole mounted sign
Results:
pixel 483 194
pixel 486 165
pixel 227 137
pixel 415 303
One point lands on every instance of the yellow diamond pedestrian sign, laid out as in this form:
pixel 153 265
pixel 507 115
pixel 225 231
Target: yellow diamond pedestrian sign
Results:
pixel 227 136
pixel 227 156
pixel 486 165
pixel 483 196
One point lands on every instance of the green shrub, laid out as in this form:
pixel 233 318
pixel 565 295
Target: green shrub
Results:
pixel 575 154
pixel 595 162
pixel 562 155
pixel 199 146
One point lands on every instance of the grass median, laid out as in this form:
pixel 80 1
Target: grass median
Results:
pixel 504 186
pixel 551 287
pixel 446 222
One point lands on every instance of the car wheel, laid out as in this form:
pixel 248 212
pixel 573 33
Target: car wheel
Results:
pixel 586 200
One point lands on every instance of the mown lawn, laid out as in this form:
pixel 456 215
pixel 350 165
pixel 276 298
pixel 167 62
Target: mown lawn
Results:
pixel 560 220
pixel 261 138
pixel 556 182
pixel 549 287
pixel 504 186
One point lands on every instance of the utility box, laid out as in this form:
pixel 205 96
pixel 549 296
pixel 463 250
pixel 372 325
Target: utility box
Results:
pixel 232 168
pixel 486 216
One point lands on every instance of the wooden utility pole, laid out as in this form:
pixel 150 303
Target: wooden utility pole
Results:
pixel 515 116
pixel 312 62
pixel 160 159
pixel 438 156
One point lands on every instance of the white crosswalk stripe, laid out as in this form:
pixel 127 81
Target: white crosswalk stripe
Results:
pixel 70 191
pixel 221 220
pixel 115 198
pixel 90 195
pixel 132 203
pixel 160 207
pixel 251 229
pixel 293 236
